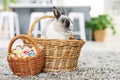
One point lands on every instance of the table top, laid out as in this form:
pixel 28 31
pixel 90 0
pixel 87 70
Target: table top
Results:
pixel 36 5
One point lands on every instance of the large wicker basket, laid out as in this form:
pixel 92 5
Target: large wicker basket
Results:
pixel 26 66
pixel 60 55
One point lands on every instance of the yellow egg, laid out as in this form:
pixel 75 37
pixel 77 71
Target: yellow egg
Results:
pixel 19 56
pixel 33 48
pixel 25 56
pixel 12 55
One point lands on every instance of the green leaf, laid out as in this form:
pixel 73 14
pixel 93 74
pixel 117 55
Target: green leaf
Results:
pixel 103 22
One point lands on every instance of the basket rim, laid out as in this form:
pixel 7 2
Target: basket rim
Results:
pixel 58 42
pixel 82 40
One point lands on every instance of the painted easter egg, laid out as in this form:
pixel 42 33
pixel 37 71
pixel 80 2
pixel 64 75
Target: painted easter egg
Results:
pixel 26 52
pixel 31 53
pixel 18 47
pixel 12 55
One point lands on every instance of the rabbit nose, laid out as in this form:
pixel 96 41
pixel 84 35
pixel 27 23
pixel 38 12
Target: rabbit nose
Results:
pixel 67 22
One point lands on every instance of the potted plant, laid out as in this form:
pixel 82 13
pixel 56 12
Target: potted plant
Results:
pixel 99 24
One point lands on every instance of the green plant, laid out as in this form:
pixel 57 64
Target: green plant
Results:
pixel 101 22
pixel 12 1
pixel 4 5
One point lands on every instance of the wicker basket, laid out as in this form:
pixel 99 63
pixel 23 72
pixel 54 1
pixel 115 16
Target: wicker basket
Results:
pixel 26 66
pixel 60 55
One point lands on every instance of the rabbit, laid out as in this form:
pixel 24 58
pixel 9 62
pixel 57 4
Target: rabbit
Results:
pixel 59 28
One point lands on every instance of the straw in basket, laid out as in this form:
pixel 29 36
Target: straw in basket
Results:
pixel 60 55
pixel 26 66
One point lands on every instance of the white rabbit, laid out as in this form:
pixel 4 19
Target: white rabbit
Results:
pixel 59 28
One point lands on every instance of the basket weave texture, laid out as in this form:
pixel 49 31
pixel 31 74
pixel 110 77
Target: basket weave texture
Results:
pixel 26 66
pixel 60 55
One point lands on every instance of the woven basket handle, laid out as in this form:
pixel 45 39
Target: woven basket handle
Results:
pixel 40 18
pixel 27 38
pixel 36 21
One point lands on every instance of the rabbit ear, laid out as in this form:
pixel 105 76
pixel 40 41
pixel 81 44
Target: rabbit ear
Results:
pixel 63 10
pixel 56 12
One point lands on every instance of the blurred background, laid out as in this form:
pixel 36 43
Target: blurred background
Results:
pixel 94 20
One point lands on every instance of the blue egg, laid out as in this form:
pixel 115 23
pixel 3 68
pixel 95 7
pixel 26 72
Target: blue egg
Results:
pixel 31 53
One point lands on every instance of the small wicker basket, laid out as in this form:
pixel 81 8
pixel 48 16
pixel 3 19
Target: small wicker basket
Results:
pixel 26 66
pixel 60 55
